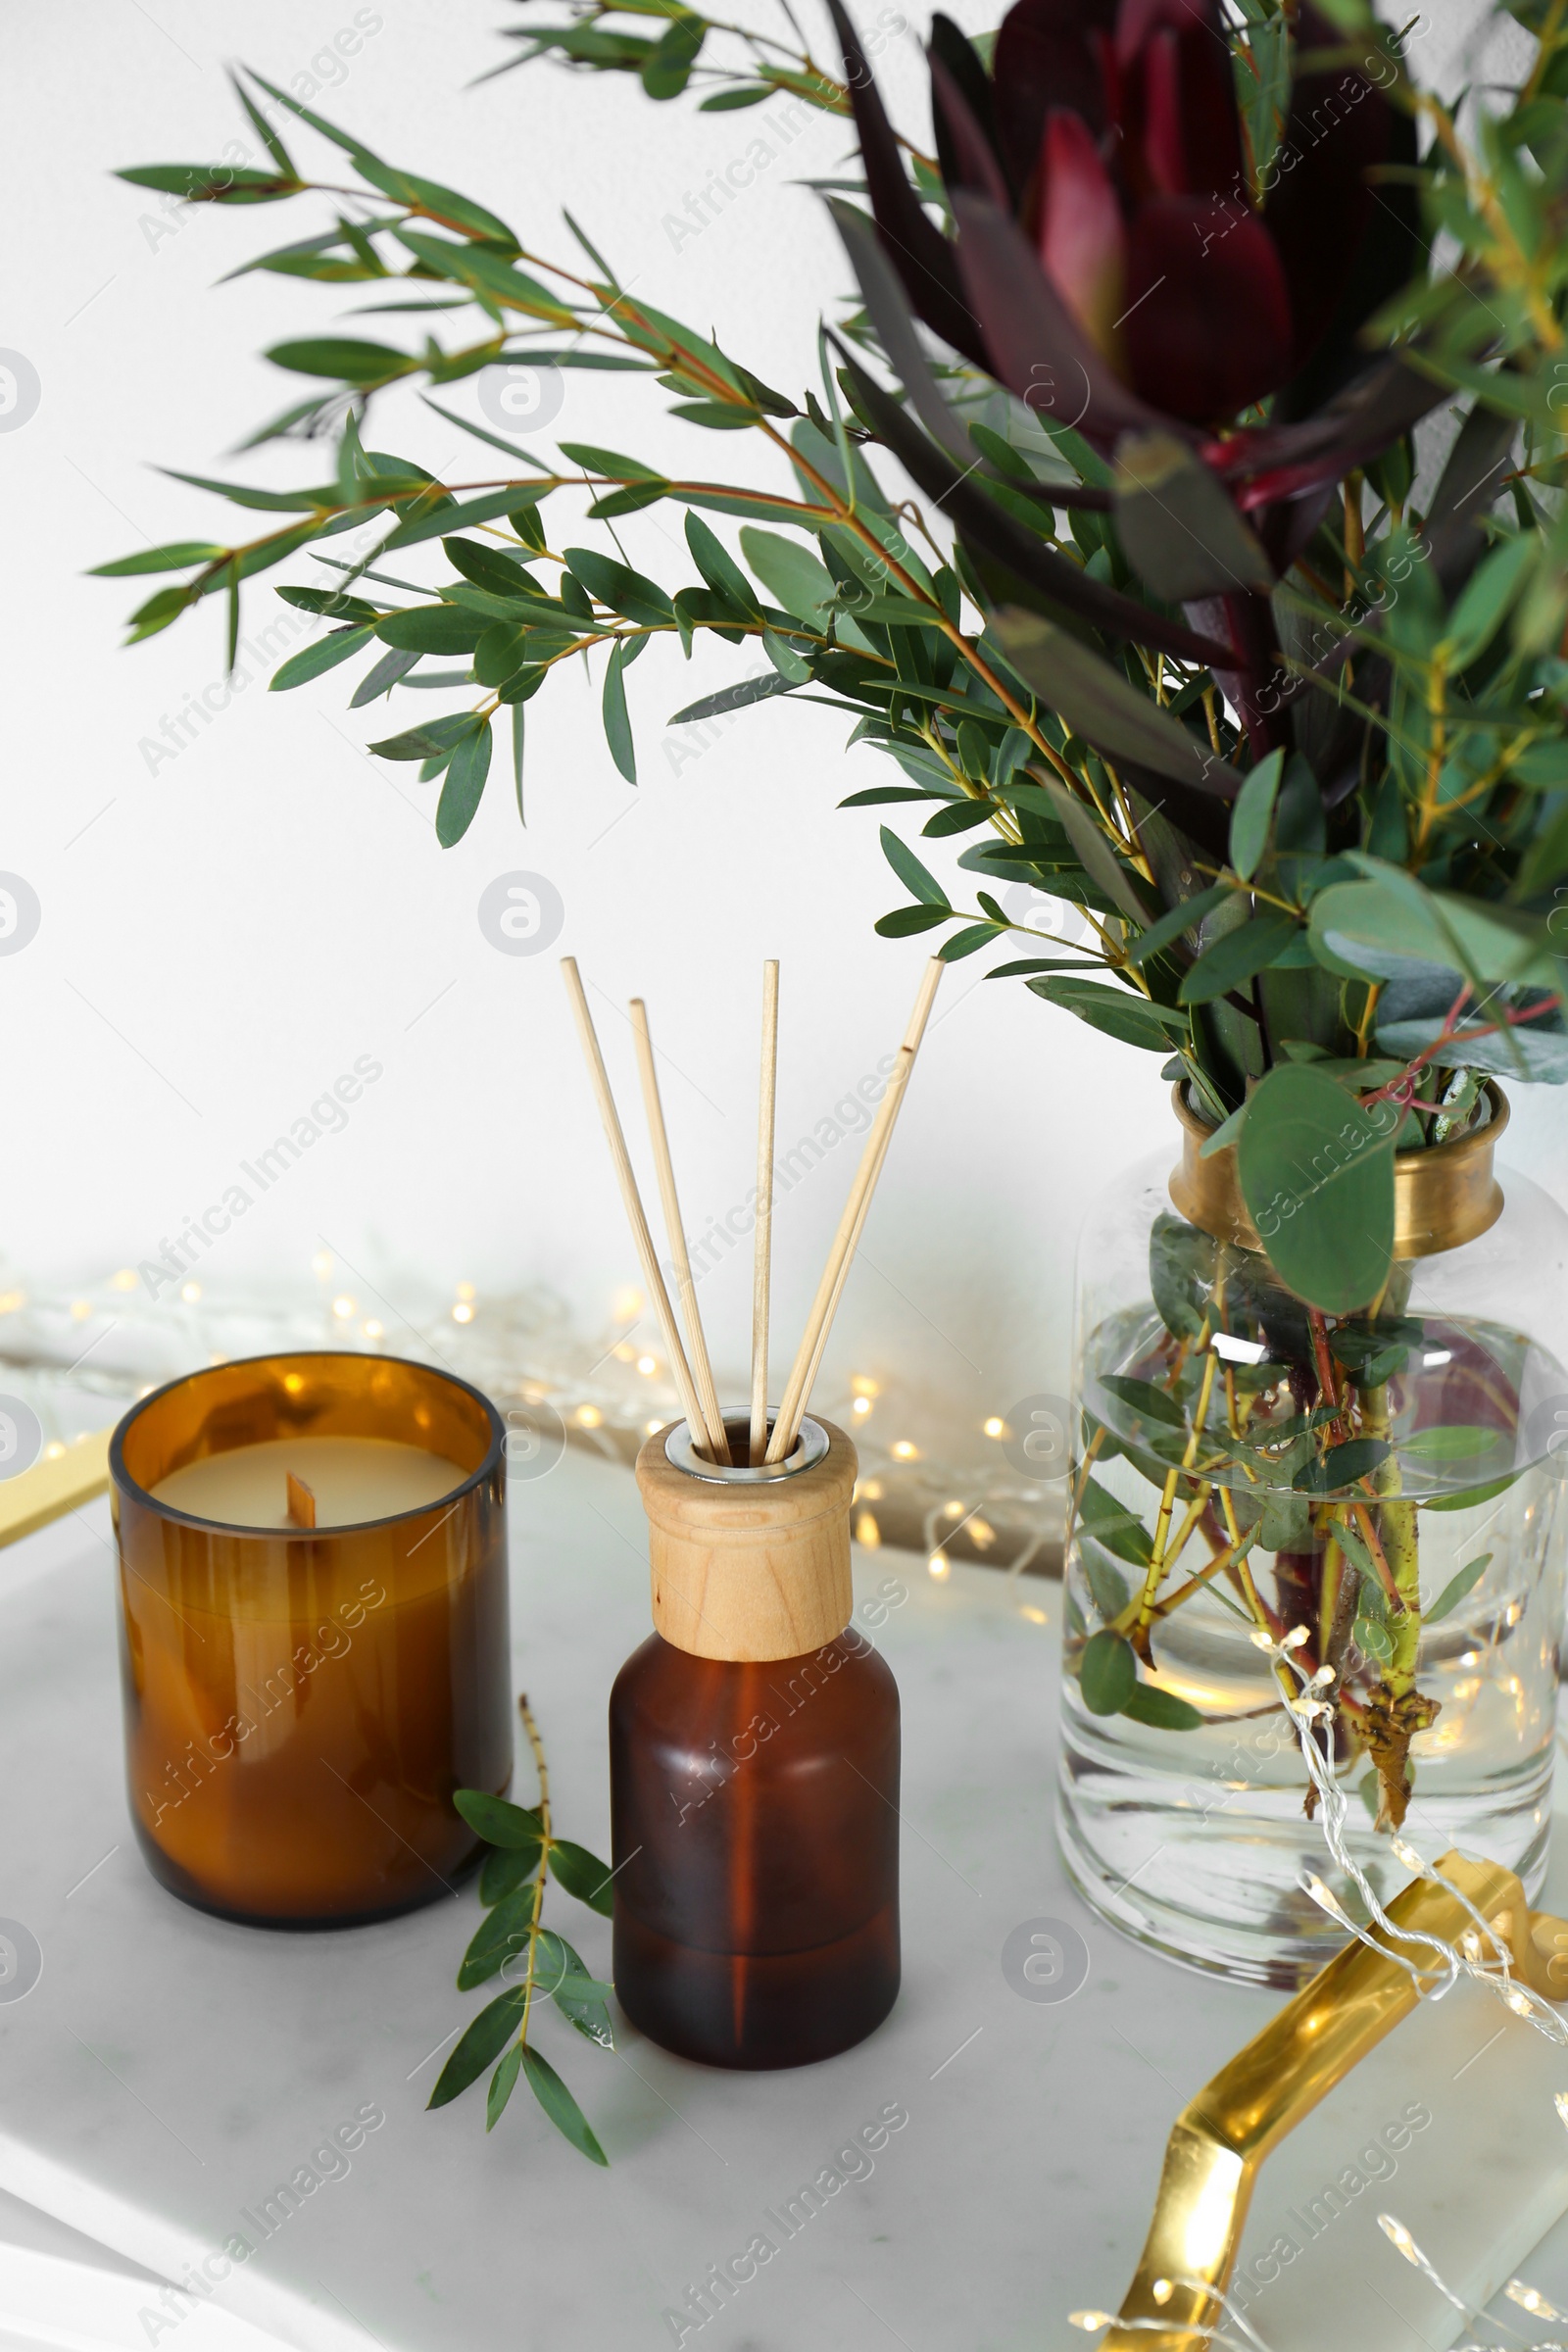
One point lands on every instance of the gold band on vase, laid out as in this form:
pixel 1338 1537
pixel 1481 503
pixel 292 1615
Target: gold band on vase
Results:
pixel 1444 1196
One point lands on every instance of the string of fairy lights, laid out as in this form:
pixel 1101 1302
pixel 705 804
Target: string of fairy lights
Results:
pixel 122 1336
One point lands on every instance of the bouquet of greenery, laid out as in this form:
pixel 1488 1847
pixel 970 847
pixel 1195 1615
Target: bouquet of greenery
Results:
pixel 1174 624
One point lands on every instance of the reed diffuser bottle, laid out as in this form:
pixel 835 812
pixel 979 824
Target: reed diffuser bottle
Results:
pixel 754 1739
pixel 754 1744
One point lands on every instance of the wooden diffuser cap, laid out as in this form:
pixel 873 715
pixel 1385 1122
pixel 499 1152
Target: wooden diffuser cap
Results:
pixel 750 1572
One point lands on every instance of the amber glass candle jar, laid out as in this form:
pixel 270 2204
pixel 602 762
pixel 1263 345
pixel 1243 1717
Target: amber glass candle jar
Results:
pixel 753 1746
pixel 301 1702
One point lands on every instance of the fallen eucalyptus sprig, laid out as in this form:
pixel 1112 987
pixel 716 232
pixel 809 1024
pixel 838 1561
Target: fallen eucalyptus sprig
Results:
pixel 524 1847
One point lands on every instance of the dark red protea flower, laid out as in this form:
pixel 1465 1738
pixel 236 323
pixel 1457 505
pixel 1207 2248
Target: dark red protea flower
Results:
pixel 1113 263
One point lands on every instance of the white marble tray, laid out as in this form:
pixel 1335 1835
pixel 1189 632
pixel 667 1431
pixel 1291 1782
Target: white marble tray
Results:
pixel 169 2069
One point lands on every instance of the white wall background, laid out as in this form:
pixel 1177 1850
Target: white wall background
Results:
pixel 225 930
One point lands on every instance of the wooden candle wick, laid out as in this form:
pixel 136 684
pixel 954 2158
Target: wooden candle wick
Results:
pixel 763 1232
pixel 627 1178
pixel 846 1239
pixel 674 1227
pixel 301 1503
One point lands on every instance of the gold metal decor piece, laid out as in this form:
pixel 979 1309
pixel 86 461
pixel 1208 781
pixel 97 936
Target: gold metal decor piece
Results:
pixel 1222 2137
pixel 1442 1195
pixel 58 1484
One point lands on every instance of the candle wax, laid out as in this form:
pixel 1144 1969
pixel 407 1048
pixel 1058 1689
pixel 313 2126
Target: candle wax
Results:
pixel 353 1479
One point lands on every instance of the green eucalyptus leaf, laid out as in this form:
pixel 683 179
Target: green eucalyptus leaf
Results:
pixel 1455 1590
pixel 432 630
pixel 1113 1525
pixel 561 2107
pixel 1177 921
pixel 500 2082
pixel 802 585
pixel 578 1996
pixel 583 1875
pixel 1451 1441
pixel 496 1821
pixel 502 1931
pixel 1254 815
pixel 1236 957
pixel 1182 1264
pixel 344 358
pixel 467 770
pixel 1374 1640
pixel 1107 1672
pixel 617 724
pixel 910 872
pixel 1143 1398
pixel 172 557
pixel 904 921
pixel 483 2042
pixel 1132 1019
pixel 505 1869
pixel 1390 919
pixel 1105 1582
pixel 1342 1466
pixel 1147 1703
pixel 1317 1175
pixel 325 653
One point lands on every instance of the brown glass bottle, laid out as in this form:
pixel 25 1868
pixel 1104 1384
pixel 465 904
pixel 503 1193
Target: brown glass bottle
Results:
pixel 754 1799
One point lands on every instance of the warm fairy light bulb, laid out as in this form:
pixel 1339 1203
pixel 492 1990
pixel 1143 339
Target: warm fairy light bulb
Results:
pixel 996 1427
pixel 1520 2003
pixel 861 1406
pixel 862 1385
pixel 953 1510
pixel 373 1330
pixel 1324 1896
pixel 939 1564
pixel 1400 2238
pixel 1560 2102
pixel 1530 2299
pixel 1406 1853
pixel 1296 1636
pixel 1322 1679
pixel 343 1308
pixel 466 1290
pixel 125 1280
pixel 588 1416
pixel 867 1534
pixel 1307 1710
pixel 463 1312
pixel 322 1265
pixel 651 1428
pixel 54 1451
pixel 1034 1616
pixel 903 1451
pixel 80 1309
pixel 1089 2321
pixel 1262 1639
pixel 871 1489
pixel 982 1534
pixel 1470 1944
pixel 647 1365
pixel 627 1305
pixel 1162 2290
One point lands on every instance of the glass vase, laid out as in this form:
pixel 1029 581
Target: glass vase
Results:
pixel 1418 1572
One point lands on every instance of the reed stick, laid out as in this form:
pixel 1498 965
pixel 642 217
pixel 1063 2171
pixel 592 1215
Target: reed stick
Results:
pixel 696 1344
pixel 762 1230
pixel 846 1239
pixel 626 1176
